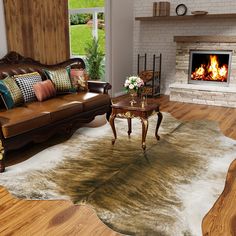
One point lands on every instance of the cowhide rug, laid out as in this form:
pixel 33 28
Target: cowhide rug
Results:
pixel 164 191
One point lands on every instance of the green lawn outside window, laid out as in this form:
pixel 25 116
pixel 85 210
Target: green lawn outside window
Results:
pixel 85 3
pixel 82 33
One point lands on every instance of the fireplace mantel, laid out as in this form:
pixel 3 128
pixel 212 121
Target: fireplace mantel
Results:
pixel 187 17
pixel 205 39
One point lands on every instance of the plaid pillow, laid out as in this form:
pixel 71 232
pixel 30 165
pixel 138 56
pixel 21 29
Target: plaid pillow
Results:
pixel 10 93
pixel 60 79
pixel 26 83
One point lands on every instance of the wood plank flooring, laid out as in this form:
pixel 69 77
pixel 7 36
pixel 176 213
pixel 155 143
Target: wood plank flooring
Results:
pixel 22 217
pixel 221 219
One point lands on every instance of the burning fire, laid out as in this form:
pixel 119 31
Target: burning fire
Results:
pixel 211 72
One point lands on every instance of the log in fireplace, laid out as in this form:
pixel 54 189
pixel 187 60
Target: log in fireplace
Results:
pixel 209 67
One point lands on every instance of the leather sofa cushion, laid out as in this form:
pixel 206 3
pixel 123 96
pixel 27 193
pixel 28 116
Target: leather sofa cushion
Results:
pixel 58 108
pixel 37 114
pixel 89 100
pixel 21 119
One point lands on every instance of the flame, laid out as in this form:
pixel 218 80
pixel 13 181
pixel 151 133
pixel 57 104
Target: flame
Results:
pixel 200 70
pixel 212 71
pixel 223 71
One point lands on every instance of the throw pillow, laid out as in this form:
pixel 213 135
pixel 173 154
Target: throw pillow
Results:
pixel 44 90
pixel 26 83
pixel 10 93
pixel 79 79
pixel 60 79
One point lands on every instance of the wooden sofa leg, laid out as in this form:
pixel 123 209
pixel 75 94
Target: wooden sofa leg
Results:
pixel 109 112
pixel 108 116
pixel 2 166
pixel 2 157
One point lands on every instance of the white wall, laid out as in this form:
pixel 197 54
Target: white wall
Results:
pixel 157 36
pixel 3 40
pixel 119 43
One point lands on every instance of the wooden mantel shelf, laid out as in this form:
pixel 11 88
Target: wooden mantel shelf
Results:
pixel 208 39
pixel 186 17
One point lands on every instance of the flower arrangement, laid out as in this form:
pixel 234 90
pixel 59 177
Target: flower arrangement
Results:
pixel 133 83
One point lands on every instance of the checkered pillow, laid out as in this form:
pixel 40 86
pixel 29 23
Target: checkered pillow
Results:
pixel 26 82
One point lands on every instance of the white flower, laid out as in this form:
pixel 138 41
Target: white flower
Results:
pixel 133 82
pixel 131 86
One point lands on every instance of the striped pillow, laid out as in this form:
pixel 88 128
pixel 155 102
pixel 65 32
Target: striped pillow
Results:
pixel 44 90
pixel 26 83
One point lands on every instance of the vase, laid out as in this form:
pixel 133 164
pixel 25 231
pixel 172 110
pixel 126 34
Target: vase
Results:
pixel 133 95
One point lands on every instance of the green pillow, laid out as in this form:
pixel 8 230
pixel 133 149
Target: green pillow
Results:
pixel 61 79
pixel 10 93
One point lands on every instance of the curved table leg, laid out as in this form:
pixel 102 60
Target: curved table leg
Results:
pixel 159 115
pixel 144 132
pixel 129 126
pixel 112 123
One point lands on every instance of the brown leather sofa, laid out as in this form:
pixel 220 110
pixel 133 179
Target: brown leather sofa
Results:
pixel 38 121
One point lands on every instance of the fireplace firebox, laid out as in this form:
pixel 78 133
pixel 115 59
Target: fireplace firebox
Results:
pixel 210 67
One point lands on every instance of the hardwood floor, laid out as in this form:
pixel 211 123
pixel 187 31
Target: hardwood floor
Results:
pixel 22 217
pixel 221 219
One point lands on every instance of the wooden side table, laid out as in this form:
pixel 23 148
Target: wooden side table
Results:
pixel 123 109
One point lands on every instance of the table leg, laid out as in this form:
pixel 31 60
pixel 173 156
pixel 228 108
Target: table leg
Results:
pixel 144 132
pixel 159 115
pixel 129 126
pixel 112 123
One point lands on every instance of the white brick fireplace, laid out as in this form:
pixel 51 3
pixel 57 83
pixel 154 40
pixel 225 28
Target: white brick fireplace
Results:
pixel 157 36
pixel 183 91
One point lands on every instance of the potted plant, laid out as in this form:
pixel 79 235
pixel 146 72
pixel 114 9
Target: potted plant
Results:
pixel 94 58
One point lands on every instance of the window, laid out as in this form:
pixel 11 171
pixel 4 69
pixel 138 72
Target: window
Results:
pixel 86 21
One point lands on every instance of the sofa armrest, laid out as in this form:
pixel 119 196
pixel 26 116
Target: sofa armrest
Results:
pixel 98 86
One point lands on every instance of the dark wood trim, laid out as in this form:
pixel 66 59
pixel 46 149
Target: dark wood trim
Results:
pixel 16 58
pixel 187 17
pixel 2 165
pixel 207 38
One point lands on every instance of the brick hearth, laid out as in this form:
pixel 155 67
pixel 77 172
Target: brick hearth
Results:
pixel 181 91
